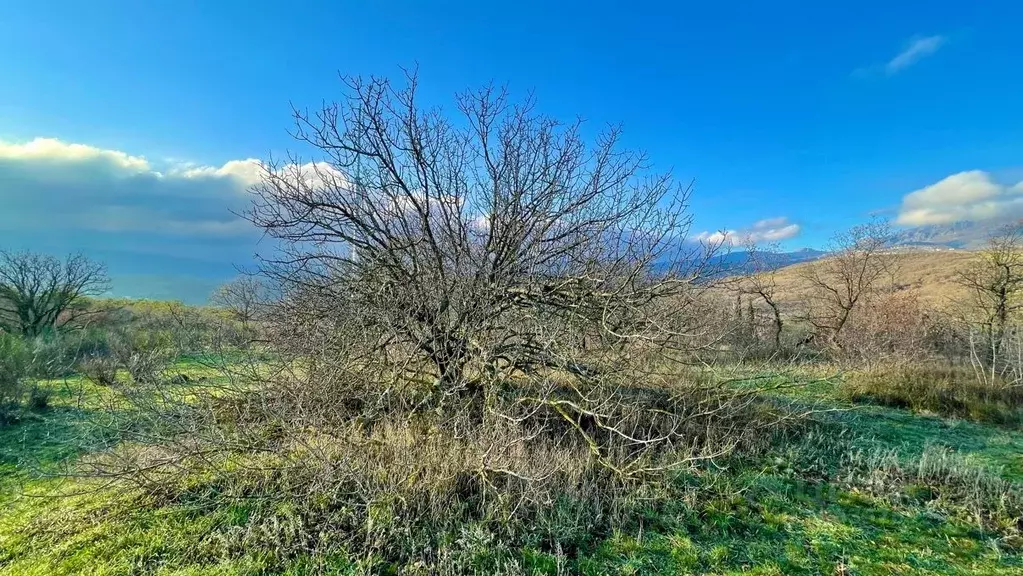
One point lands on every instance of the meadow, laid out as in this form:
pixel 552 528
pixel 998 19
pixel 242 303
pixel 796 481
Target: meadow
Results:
pixel 860 489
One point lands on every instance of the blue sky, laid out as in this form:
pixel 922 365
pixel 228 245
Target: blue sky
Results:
pixel 809 115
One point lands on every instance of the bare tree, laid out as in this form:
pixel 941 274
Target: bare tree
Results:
pixel 994 285
pixel 40 292
pixel 499 243
pixel 761 283
pixel 491 310
pixel 244 297
pixel 860 264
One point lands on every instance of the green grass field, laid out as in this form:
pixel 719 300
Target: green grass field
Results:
pixel 867 490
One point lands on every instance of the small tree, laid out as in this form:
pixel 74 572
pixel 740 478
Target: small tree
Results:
pixel 15 360
pixel 860 264
pixel 761 284
pixel 497 283
pixel 40 292
pixel 244 297
pixel 994 284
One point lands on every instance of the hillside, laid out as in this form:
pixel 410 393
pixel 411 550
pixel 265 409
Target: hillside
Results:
pixel 928 274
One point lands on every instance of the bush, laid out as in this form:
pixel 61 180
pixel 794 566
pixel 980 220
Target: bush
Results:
pixel 39 397
pixel 15 363
pixel 55 354
pixel 143 353
pixel 100 370
pixel 146 366
pixel 186 329
pixel 886 329
pixel 403 487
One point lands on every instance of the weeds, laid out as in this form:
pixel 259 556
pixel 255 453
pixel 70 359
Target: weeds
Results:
pixel 940 390
pixel 943 480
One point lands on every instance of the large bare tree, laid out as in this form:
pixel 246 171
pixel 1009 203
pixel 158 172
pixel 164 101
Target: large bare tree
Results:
pixel 495 241
pixel 860 264
pixel 517 291
pixel 40 292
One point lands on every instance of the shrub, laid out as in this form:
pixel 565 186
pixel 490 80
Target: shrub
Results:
pixel 185 329
pixel 56 353
pixel 145 366
pixel 15 362
pixel 39 397
pixel 53 355
pixel 143 354
pixel 403 487
pixel 100 370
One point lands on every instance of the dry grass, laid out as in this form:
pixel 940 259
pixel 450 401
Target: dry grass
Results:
pixel 412 497
pixel 398 487
pixel 939 390
pixel 928 275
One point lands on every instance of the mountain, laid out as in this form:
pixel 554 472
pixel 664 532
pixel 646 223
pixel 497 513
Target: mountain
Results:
pixel 965 234
pixel 742 262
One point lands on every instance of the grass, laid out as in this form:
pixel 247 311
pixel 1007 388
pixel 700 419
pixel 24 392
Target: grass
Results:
pixel 939 390
pixel 810 506
pixel 778 527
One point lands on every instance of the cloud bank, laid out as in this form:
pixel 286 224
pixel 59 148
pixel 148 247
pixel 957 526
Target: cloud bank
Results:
pixel 971 195
pixel 47 183
pixel 60 197
pixel 761 231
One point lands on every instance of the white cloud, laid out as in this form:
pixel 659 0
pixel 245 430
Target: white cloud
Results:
pixel 714 238
pixel 770 223
pixel 51 150
pixel 303 178
pixel 137 216
pixel 172 223
pixel 49 183
pixel 154 219
pixel 916 49
pixel 248 172
pixel 971 195
pixel 767 230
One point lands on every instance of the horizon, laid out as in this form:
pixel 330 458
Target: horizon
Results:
pixel 132 132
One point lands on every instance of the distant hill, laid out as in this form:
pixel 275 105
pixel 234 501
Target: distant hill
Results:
pixel 965 234
pixel 929 259
pixel 192 279
pixel 741 262
pixel 958 236
pixel 927 273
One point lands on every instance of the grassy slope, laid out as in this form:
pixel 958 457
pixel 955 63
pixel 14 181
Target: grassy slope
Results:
pixel 930 275
pixel 765 517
